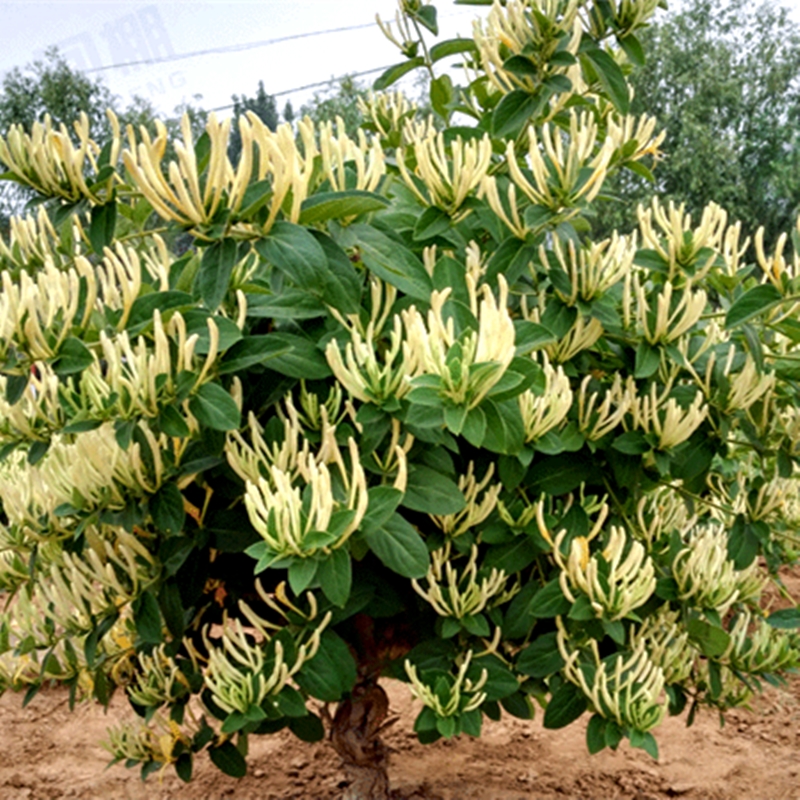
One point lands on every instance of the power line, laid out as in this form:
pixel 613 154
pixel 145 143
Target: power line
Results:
pixel 313 85
pixel 233 48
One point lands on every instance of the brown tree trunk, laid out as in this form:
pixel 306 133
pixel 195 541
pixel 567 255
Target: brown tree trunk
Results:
pixel 355 735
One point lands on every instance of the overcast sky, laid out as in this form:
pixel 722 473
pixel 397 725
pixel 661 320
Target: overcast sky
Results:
pixel 96 35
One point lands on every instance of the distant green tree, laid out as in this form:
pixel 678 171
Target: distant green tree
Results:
pixel 340 100
pixel 723 79
pixel 262 105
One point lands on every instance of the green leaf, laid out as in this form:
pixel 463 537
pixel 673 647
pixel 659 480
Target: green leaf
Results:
pixel 743 544
pixel 286 353
pixel 196 320
pixel 632 443
pixel 228 759
pixel 147 617
pixel 513 111
pixel 73 357
pixel 393 74
pixel 560 474
pixel 215 408
pixel 383 502
pixel 713 640
pixel 398 545
pixel 166 508
pixel 335 575
pixel 308 728
pixel 786 618
pixel 15 388
pixel 633 49
pixel 216 268
pixel 300 574
pixel 611 77
pixel 752 303
pixel 431 492
pixel 596 734
pixel 183 767
pixel 427 17
pixel 441 93
pixel 102 225
pixel 392 262
pixel 296 253
pixel 648 359
pixel 519 705
pixel 566 705
pixel 549 601
pixel 331 673
pixel 141 316
pixel 431 222
pixel 335 205
pixel 541 658
pixel 451 47
pixel 289 304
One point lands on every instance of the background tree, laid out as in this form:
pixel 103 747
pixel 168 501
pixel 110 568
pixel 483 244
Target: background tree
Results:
pixel 723 80
pixel 262 105
pixel 340 100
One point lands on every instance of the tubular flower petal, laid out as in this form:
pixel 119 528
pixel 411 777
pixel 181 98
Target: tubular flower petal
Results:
pixel 626 583
pixel 460 695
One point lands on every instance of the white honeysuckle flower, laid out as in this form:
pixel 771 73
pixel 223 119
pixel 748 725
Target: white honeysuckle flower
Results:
pixel 630 15
pixel 512 218
pixel 475 512
pixel 37 314
pixel 546 411
pixel 595 418
pixel 630 581
pixel 107 477
pixel 277 510
pixel 462 686
pixel 627 688
pixel 119 280
pixel 661 415
pixel 138 379
pixel 778 272
pixel 31 240
pixel 154 740
pixel 157 680
pixel 48 161
pixel 249 459
pixel 38 413
pixel 394 457
pixel 639 129
pixel 748 386
pixel 669 323
pixel 675 240
pixel 485 353
pixel 236 673
pixel 511 28
pixel 459 595
pixel 558 162
pixel 449 177
pixel 706 576
pixel 661 512
pixel 592 270
pixel 757 647
pixel 387 111
pixel 667 645
pixel 338 150
pixel 369 373
pixel 581 336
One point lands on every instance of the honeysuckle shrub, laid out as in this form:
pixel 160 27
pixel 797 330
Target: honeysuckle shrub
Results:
pixel 394 412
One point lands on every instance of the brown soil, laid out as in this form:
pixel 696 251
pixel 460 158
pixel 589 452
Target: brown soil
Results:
pixel 48 753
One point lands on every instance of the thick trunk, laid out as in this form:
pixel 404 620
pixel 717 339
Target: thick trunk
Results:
pixel 355 735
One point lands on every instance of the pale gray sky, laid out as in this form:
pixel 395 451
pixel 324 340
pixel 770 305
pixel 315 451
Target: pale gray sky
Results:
pixel 95 35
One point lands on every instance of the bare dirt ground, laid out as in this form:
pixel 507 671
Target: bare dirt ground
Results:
pixel 49 753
